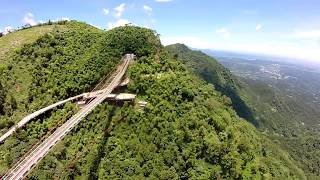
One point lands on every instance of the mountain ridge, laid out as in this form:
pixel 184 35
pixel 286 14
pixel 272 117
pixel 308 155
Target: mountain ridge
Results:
pixel 213 72
pixel 278 117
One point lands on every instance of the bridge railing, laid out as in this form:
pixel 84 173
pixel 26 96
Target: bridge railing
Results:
pixel 34 149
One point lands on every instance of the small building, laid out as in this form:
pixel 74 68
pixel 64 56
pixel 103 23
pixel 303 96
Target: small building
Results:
pixel 125 97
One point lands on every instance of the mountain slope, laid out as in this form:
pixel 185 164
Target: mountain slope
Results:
pixel 59 64
pixel 187 129
pixel 53 66
pixel 213 72
pixel 287 107
pixel 278 117
pixel 17 39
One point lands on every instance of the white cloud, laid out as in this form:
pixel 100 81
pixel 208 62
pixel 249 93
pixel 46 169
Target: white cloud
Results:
pixel 258 27
pixel 65 19
pixel 291 50
pixel 120 9
pixel 7 30
pixel 119 22
pixel 146 26
pixel 191 41
pixel 147 9
pixel 41 21
pixel 61 19
pixel 305 52
pixel 224 32
pixel 306 34
pixel 163 0
pixel 106 11
pixel 28 19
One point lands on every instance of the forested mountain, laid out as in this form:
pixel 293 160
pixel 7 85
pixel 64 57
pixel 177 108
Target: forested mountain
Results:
pixel 57 65
pixel 286 98
pixel 213 72
pixel 188 130
pixel 291 122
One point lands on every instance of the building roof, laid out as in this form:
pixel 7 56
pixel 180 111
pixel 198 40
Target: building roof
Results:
pixel 125 96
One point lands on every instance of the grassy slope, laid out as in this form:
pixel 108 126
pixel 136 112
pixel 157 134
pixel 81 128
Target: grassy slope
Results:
pixel 17 39
pixel 9 44
pixel 12 42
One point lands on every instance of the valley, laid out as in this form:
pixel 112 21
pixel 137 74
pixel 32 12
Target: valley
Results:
pixel 294 83
pixel 285 98
pixel 259 93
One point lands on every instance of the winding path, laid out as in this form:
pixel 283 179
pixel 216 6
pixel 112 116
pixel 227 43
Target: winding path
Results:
pixel 26 119
pixel 25 165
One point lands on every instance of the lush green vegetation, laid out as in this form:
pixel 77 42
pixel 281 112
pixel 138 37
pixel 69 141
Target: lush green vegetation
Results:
pixel 305 150
pixel 277 116
pixel 187 130
pixel 15 40
pixel 276 112
pixel 59 64
pixel 282 117
pixel 34 132
pixel 78 155
pixel 213 72
pixel 56 65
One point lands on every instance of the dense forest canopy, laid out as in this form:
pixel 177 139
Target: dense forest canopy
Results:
pixel 213 72
pixel 60 64
pixel 188 130
pixel 255 100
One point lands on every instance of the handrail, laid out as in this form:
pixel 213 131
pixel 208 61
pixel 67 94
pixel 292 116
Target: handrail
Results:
pixel 31 116
pixel 23 167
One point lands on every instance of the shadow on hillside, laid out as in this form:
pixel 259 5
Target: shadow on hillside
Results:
pixel 101 149
pixel 242 109
pixel 210 75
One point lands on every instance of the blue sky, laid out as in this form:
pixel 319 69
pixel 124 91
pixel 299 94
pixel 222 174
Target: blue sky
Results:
pixel 289 28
